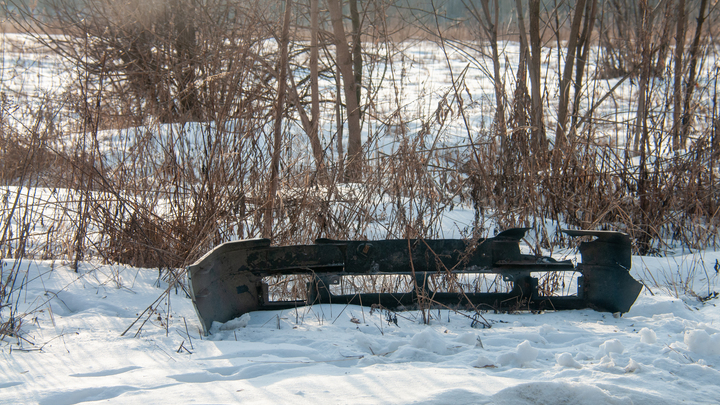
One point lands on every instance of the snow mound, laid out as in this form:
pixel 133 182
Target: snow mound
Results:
pixel 566 360
pixel 701 342
pixel 523 355
pixel 607 362
pixel 430 340
pixel 409 353
pixel 236 323
pixel 551 393
pixel 468 338
pixel 376 346
pixel 232 324
pixel 649 306
pixel 456 396
pixel 648 336
pixel 610 346
pixel 632 366
pixel 482 362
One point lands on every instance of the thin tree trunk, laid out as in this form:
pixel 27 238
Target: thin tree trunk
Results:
pixel 311 124
pixel 661 49
pixel 339 125
pixel 560 134
pixel 694 51
pixel 524 51
pixel 353 172
pixel 277 130
pixel 538 130
pixel 521 90
pixel 491 29
pixel 585 38
pixel 185 45
pixel 521 100
pixel 356 48
pixel 677 85
pixel 644 39
pixel 314 73
pixel 641 129
pixel 312 130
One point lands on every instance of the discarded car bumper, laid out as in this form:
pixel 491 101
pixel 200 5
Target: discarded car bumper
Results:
pixel 228 281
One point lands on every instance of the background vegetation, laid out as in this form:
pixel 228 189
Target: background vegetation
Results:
pixel 170 126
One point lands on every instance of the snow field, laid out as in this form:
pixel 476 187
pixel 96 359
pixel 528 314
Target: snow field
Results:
pixel 666 350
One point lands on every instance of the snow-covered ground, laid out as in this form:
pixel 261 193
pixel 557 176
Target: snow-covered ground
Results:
pixel 666 350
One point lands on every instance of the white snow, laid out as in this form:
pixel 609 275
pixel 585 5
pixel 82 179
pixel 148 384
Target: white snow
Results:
pixel 523 355
pixel 632 366
pixel 648 336
pixel 430 340
pixel 700 342
pixel 566 360
pixel 610 346
pixel 482 362
pixel 237 323
pixel 664 351
pixel 557 393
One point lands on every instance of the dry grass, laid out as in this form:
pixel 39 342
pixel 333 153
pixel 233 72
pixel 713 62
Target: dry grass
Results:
pixel 163 193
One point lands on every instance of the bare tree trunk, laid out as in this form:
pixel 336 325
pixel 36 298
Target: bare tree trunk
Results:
pixel 185 44
pixel 641 128
pixel 585 37
pixel 339 121
pixel 490 27
pixel 560 135
pixel 677 86
pixel 524 51
pixel 311 124
pixel 279 111
pixel 521 94
pixel 344 60
pixel 314 73
pixel 644 35
pixel 694 51
pixel 356 48
pixel 312 130
pixel 538 131
pixel 661 49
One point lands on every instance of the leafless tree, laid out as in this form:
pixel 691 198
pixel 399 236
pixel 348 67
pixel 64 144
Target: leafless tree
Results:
pixel 345 65
pixel 277 128
pixel 691 80
pixel 561 133
pixel 678 70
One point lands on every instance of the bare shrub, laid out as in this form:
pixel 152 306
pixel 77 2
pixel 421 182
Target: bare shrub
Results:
pixel 164 138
